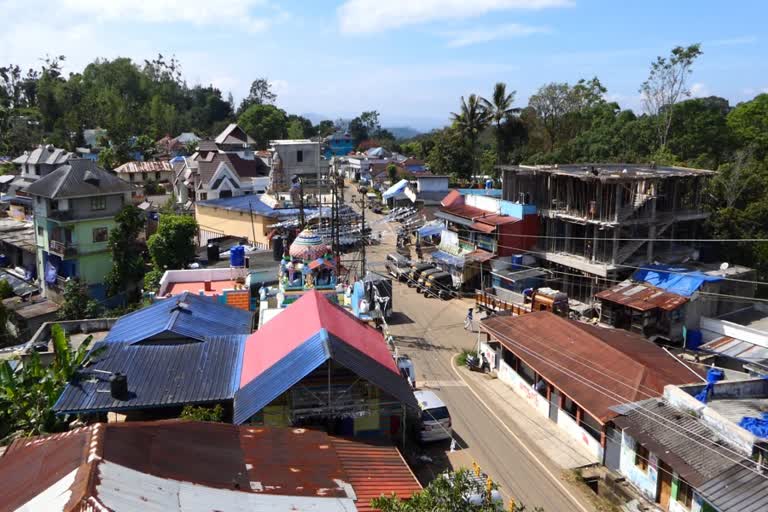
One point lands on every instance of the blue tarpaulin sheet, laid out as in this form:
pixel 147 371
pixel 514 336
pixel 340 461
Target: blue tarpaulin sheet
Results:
pixel 677 280
pixel 713 375
pixel 758 426
pixel 431 229
pixel 450 259
pixel 395 189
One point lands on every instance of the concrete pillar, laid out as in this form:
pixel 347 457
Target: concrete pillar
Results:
pixel 649 244
pixel 603 437
pixel 615 249
pixel 617 191
pixel 594 242
pixel 578 416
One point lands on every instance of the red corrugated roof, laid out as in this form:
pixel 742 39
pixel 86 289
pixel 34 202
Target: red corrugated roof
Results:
pixel 478 216
pixel 375 470
pixel 625 365
pixel 453 198
pixel 302 320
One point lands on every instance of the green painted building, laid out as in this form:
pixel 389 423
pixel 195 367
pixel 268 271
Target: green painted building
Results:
pixel 74 210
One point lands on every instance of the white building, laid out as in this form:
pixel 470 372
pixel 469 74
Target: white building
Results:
pixel 299 157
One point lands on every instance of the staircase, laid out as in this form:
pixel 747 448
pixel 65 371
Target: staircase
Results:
pixel 638 202
pixel 632 247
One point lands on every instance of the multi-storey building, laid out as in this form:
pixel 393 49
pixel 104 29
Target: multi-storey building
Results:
pixel 598 221
pixel 35 164
pixel 75 208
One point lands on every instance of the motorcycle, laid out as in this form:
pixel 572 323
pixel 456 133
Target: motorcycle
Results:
pixel 475 364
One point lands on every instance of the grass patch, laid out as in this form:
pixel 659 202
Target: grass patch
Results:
pixel 461 359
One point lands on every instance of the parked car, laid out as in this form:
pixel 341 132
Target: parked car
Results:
pixel 424 276
pixel 435 418
pixel 439 284
pixel 397 265
pixel 416 270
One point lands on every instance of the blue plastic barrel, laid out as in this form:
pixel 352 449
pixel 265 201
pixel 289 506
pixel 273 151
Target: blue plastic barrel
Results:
pixel 237 256
pixel 517 261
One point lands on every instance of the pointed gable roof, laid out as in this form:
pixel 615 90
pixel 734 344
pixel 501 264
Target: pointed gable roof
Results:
pixel 311 331
pixel 233 134
pixel 78 178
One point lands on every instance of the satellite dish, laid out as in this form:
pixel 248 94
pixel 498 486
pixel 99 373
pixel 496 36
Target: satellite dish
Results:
pixel 724 266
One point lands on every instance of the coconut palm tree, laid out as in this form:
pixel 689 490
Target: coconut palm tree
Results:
pixel 499 107
pixel 471 120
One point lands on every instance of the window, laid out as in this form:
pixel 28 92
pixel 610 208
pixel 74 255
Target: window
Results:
pixel 641 457
pixel 143 176
pixel 54 204
pixel 130 178
pixel 203 196
pixel 299 156
pixel 100 234
pixel 157 176
pixel 98 203
pixel 684 494
pixel 39 230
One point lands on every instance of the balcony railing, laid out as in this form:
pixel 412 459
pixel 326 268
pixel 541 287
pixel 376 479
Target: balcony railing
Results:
pixel 63 249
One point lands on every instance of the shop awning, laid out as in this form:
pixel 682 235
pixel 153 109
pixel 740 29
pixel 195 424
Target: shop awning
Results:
pixel 450 259
pixel 484 228
pixel 431 228
pixel 395 190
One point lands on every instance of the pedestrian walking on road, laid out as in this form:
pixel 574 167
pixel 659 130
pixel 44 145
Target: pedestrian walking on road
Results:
pixel 468 321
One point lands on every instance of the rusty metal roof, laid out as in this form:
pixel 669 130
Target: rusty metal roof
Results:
pixel 597 367
pixel 218 460
pixel 642 297
pixel 374 469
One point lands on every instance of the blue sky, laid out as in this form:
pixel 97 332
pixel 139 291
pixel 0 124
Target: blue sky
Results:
pixel 409 59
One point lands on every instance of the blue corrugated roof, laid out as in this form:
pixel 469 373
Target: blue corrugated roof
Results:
pixel 677 280
pixel 159 375
pixel 281 376
pixel 448 258
pixel 186 316
pixel 302 361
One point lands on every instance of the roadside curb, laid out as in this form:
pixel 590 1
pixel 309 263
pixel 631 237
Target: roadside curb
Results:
pixel 517 438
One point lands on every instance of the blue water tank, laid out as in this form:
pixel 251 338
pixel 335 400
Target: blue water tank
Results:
pixel 237 256
pixel 693 339
pixel 3 260
pixel 517 261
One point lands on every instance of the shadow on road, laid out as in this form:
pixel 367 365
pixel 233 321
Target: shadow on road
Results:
pixel 431 459
pixel 416 342
pixel 398 318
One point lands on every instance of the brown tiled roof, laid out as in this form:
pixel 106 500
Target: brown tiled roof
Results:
pixel 642 297
pixel 271 461
pixel 596 367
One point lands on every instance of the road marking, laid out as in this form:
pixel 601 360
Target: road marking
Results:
pixel 442 384
pixel 520 441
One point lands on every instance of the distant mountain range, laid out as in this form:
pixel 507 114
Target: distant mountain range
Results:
pixel 400 132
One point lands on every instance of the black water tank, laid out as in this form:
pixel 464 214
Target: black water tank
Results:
pixel 277 247
pixel 213 253
pixel 118 386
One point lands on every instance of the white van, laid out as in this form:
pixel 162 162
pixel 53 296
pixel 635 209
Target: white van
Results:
pixel 435 418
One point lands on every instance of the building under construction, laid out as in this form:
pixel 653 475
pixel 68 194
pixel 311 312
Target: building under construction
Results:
pixel 598 221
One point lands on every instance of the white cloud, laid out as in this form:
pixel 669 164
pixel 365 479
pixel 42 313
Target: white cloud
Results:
pixel 488 34
pixel 369 16
pixel 196 12
pixel 700 90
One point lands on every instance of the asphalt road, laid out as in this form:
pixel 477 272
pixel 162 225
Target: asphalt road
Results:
pixel 431 332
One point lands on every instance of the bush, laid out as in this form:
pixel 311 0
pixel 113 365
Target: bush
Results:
pixel 461 359
pixel 200 413
pixel 152 280
pixel 6 290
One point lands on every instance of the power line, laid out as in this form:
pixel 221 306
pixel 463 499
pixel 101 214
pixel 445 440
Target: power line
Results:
pixel 615 396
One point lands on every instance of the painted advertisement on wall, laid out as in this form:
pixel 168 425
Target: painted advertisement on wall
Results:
pixel 510 377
